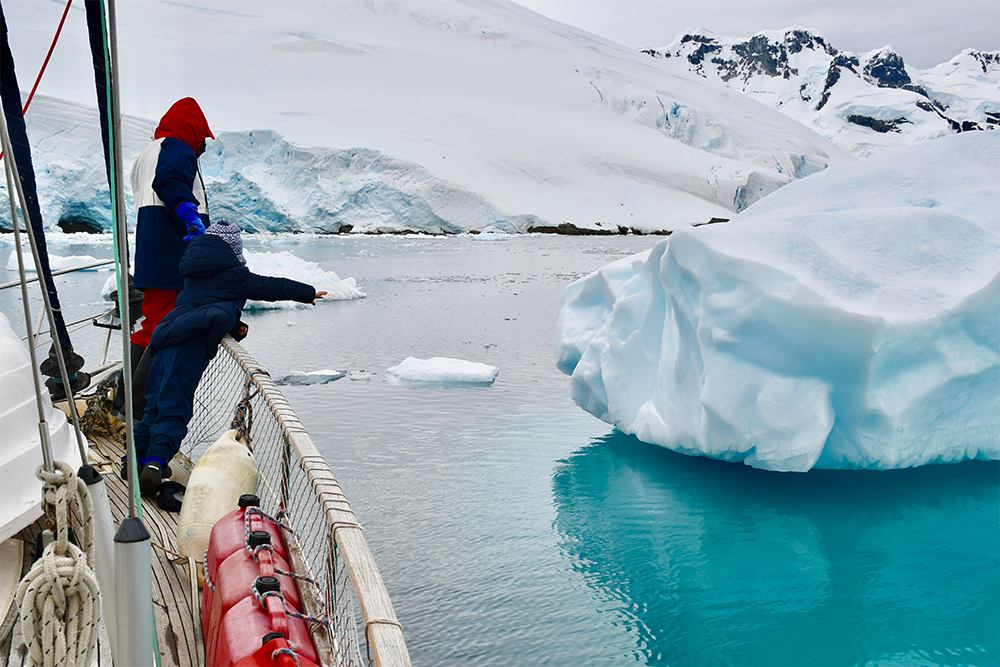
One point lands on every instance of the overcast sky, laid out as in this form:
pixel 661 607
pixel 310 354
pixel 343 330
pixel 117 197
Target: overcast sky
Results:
pixel 925 32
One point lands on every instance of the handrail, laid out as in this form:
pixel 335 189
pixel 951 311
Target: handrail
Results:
pixel 382 630
pixel 71 327
pixel 82 267
pixel 328 535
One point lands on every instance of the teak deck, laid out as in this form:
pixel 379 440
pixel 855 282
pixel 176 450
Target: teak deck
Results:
pixel 176 599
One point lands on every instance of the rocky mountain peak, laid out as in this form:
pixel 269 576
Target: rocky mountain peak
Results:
pixel 885 69
pixel 989 61
pixel 769 53
pixel 800 73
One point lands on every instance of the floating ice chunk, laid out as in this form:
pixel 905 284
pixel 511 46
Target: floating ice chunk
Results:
pixel 311 377
pixel 839 323
pixel 288 265
pixel 443 370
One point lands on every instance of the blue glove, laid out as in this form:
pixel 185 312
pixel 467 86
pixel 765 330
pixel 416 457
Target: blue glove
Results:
pixel 188 213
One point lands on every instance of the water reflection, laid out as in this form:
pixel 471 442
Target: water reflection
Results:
pixel 715 563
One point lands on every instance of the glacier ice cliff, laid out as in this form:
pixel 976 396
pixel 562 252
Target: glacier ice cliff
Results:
pixel 270 184
pixel 849 320
pixel 255 177
pixel 267 183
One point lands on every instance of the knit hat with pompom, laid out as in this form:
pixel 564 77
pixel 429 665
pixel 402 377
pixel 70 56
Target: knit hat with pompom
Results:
pixel 229 233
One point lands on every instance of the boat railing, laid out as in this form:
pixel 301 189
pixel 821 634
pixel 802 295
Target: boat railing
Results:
pixel 61 272
pixel 358 624
pixel 43 336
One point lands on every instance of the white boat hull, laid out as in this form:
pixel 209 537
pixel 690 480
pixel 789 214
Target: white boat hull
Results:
pixel 20 440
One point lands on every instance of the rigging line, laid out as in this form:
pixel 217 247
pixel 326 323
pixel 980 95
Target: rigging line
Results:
pixel 46 61
pixel 85 321
pixel 10 167
pixel 60 272
pixel 120 238
pixel 119 233
pixel 12 180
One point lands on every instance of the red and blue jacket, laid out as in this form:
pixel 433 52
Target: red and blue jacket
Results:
pixel 164 175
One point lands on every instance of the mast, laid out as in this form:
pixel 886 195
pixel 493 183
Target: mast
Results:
pixel 133 547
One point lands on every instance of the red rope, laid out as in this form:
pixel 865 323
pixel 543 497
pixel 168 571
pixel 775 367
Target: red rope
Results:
pixel 46 61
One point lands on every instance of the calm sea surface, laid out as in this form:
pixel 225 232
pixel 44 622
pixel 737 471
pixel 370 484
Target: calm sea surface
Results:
pixel 512 528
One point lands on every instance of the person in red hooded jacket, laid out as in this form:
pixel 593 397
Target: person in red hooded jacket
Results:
pixel 171 209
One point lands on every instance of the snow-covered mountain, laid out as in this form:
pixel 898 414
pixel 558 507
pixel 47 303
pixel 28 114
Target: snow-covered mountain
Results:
pixel 863 103
pixel 434 115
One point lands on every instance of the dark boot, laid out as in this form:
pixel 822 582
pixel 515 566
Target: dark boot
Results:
pixel 151 476
pixel 167 472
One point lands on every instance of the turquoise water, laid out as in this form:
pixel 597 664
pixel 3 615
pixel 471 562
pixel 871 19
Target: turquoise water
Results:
pixel 512 528
pixel 715 564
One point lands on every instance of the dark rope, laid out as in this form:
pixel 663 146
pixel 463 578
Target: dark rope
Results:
pixel 45 63
pixel 243 415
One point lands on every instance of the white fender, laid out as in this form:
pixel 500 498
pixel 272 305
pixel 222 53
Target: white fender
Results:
pixel 224 472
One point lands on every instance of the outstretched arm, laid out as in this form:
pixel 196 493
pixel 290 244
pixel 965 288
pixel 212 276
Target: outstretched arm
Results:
pixel 267 288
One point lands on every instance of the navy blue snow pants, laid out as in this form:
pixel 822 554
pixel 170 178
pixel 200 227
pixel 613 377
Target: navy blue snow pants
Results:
pixel 173 377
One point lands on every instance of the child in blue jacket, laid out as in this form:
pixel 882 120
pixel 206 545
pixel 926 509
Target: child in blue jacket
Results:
pixel 217 285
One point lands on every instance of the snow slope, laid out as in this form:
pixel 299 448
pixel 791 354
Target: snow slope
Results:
pixel 863 103
pixel 439 115
pixel 850 320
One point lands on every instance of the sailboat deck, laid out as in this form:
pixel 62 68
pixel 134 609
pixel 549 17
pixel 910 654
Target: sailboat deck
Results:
pixel 176 599
pixel 351 620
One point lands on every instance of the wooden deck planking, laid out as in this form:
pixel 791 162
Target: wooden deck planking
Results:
pixel 178 617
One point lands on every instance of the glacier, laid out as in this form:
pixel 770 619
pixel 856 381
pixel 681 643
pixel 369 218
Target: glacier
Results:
pixel 438 116
pixel 850 320
pixel 255 178
pixel 268 184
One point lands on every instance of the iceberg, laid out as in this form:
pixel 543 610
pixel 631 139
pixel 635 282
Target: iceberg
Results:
pixel 285 264
pixel 443 370
pixel 850 320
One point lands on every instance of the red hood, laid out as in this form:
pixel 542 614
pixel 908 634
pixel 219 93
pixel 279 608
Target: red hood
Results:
pixel 185 121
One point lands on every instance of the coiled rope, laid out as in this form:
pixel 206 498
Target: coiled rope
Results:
pixel 97 418
pixel 59 599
